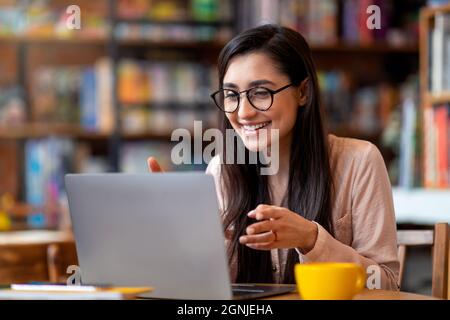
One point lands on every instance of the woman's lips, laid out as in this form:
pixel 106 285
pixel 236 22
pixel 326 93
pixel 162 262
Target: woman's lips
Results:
pixel 253 129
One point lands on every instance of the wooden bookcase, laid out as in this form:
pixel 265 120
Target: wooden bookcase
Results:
pixel 429 97
pixel 427 16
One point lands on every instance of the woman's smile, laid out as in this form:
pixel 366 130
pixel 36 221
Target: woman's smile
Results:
pixel 253 128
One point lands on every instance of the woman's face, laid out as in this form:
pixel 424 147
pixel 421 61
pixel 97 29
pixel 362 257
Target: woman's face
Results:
pixel 257 69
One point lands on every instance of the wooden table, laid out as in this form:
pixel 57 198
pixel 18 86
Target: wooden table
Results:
pixel 36 255
pixel 34 237
pixel 367 294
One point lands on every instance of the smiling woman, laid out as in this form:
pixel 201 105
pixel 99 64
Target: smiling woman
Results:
pixel 330 200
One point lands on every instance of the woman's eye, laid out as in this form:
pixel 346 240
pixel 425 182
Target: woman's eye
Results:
pixel 261 94
pixel 231 95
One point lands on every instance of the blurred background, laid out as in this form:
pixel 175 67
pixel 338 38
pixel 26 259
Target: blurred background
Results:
pixel 104 97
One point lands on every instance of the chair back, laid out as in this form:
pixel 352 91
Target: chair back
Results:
pixel 438 239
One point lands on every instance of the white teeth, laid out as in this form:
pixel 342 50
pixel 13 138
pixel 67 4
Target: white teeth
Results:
pixel 255 127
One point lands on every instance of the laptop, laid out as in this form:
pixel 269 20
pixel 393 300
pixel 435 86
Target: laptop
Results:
pixel 161 230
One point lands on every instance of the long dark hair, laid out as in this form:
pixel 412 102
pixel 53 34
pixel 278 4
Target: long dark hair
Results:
pixel 309 192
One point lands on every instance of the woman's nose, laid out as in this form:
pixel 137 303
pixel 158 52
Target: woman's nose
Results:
pixel 246 110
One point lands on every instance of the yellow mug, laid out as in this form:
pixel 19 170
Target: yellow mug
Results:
pixel 329 280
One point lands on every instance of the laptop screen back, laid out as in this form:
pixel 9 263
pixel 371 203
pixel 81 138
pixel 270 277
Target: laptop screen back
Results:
pixel 157 230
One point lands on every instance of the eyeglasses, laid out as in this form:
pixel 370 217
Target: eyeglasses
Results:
pixel 260 98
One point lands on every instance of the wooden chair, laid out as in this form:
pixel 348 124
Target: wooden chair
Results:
pixel 438 239
pixel 59 257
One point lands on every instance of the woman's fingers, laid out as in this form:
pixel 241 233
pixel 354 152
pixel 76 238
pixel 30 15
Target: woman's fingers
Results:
pixel 261 227
pixel 153 165
pixel 262 235
pixel 265 212
pixel 258 238
pixel 262 246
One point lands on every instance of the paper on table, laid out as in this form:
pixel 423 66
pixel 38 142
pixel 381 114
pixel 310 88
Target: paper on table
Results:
pixel 49 292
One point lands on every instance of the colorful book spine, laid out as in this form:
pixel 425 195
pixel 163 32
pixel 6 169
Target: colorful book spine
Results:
pixel 441 120
pixel 88 99
pixel 350 21
pixel 34 176
pixel 407 144
pixel 45 166
pixel 366 35
pixel 436 144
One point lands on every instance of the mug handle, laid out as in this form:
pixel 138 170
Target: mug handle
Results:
pixel 361 279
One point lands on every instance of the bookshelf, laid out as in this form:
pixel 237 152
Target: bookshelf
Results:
pixel 116 33
pixel 435 95
pixel 365 67
pixel 34 131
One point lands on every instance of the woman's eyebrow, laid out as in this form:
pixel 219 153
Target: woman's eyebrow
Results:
pixel 260 82
pixel 230 85
pixel 251 84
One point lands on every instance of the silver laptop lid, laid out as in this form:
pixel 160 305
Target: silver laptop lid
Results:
pixel 158 230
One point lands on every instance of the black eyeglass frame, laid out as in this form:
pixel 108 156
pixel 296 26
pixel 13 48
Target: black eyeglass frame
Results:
pixel 272 93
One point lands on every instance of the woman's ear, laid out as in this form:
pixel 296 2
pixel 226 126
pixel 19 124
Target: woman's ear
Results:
pixel 303 92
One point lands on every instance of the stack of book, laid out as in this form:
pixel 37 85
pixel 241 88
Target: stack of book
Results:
pixel 162 96
pixel 326 22
pixel 74 95
pixel 175 10
pixel 436 119
pixel 362 109
pixel 184 21
pixel 440 54
pixel 316 19
pixel 12 106
pixel 171 33
pixel 47 160
pixel 42 19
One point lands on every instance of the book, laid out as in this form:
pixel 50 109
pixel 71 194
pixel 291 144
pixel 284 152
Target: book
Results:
pixel 441 121
pixel 436 144
pixel 429 180
pixel 46 162
pixel 88 99
pixel 437 53
pixel 62 292
pixel 104 96
pixel 407 145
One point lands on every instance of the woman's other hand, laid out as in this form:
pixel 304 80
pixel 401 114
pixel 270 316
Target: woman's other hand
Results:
pixel 279 228
pixel 153 165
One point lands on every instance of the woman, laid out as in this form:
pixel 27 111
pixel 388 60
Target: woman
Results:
pixel 330 200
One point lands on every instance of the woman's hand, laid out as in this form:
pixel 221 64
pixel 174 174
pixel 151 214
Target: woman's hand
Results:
pixel 153 165
pixel 279 228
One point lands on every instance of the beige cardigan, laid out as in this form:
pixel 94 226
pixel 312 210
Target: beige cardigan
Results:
pixel 363 213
